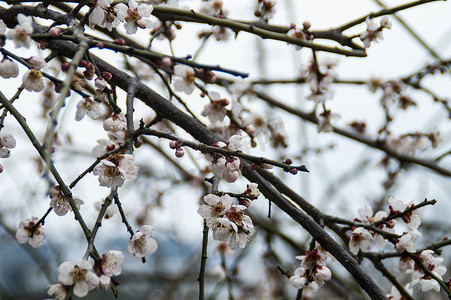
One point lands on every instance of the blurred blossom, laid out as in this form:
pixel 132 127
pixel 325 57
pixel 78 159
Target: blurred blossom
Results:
pixel 22 32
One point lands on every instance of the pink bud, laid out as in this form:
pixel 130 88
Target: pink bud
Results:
pixel 100 45
pixel 107 76
pixel 179 152
pixel 294 171
pixel 166 62
pixel 55 32
pixel 119 41
pixel 174 144
pixel 288 161
pixel 250 129
pixel 1 168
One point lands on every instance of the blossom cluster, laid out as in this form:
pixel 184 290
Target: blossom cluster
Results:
pixel 227 167
pixel 373 32
pixel 319 76
pixel 362 239
pixel 227 220
pixel 312 273
pixel 134 15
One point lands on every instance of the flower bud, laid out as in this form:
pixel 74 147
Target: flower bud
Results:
pixel 179 152
pixel 55 32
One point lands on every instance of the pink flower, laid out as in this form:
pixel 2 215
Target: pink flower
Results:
pixel 60 202
pixel 142 243
pixel 25 231
pixel 79 275
pixel 134 15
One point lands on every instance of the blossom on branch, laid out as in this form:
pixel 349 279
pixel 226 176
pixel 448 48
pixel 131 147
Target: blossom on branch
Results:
pixel 186 82
pixel 88 107
pixel 21 34
pixel 25 232
pixel 142 243
pixel 215 208
pixel 113 170
pixel 7 142
pixel 111 266
pixel 79 275
pixel 60 202
pixel 58 291
pixel 361 240
pixel 8 68
pixel 134 15
pixel 33 81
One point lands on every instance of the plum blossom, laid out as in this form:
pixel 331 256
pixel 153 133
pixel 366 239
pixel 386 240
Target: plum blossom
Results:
pixel 324 121
pixel 7 142
pixel 186 81
pixel 8 68
pixel 25 232
pixel 79 275
pixel 113 170
pixel 229 167
pixel 406 242
pixel 319 77
pixel 58 291
pixel 252 191
pixel 142 243
pixel 361 239
pixel 235 227
pixel 88 107
pixel 312 272
pixel 21 33
pixel 60 202
pixel 134 15
pixel 103 15
pixel 373 32
pixel 212 7
pixel 215 111
pixel 111 266
pixel 424 282
pixel 36 62
pixel 412 219
pixel 215 208
pixel 114 123
pixel 33 81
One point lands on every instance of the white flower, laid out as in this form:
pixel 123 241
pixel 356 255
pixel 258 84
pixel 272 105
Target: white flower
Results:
pixel 8 68
pixel 7 141
pixel 186 82
pixel 111 266
pixel 215 111
pixel 58 291
pixel 215 208
pixel 212 8
pixel 424 285
pixel 361 239
pixel 33 81
pixel 235 143
pixel 406 264
pixel 134 15
pixel 115 122
pixel 298 280
pixel 243 229
pixel 79 275
pixel 21 33
pixel 36 62
pixel 141 243
pixel 115 169
pixel 252 190
pixel 325 119
pixel 412 219
pixel 60 203
pixel 406 243
pixel 386 23
pixel 103 15
pixel 25 230
pixel 88 107
pixel 104 146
